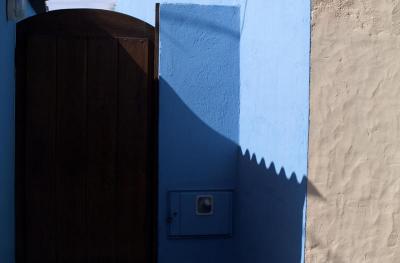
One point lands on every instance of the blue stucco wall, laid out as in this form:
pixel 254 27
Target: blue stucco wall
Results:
pixel 274 68
pixel 275 82
pixel 269 213
pixel 270 186
pixel 274 110
pixel 145 10
pixel 7 43
pixel 198 117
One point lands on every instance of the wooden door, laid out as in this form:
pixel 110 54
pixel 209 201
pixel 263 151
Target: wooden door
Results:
pixel 85 138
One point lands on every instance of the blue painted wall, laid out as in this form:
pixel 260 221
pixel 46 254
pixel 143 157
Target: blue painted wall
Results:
pixel 274 68
pixel 273 125
pixel 199 115
pixel 275 82
pixel 7 43
pixel 145 10
pixel 274 110
pixel 269 213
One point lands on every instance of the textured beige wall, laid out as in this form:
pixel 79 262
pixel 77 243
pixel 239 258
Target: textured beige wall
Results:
pixel 354 157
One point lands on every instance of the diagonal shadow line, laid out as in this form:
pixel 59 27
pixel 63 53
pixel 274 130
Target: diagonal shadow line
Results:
pixel 38 5
pixel 269 205
pixel 313 191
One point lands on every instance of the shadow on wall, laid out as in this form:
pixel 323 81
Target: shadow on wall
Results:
pixel 268 205
pixel 192 156
pixel 209 157
pixel 39 6
pixel 203 22
pixel 269 212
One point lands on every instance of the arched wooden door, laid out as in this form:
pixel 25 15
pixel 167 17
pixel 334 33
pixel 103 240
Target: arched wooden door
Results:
pixel 85 138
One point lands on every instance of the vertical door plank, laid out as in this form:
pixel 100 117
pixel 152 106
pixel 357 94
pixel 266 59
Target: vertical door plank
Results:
pixel 40 150
pixel 132 151
pixel 102 142
pixel 71 149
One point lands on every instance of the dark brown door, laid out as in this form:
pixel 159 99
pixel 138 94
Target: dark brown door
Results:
pixel 85 142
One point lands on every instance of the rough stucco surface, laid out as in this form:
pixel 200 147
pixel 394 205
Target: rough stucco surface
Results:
pixel 198 117
pixel 273 124
pixel 354 158
pixel 274 90
pixel 275 38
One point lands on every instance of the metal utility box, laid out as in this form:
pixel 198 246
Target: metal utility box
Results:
pixel 200 214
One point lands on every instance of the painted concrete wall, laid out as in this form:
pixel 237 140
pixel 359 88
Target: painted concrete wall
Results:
pixel 269 210
pixel 7 43
pixel 198 117
pixel 355 132
pixel 273 125
pixel 145 10
pixel 275 82
pixel 274 109
pixel 274 68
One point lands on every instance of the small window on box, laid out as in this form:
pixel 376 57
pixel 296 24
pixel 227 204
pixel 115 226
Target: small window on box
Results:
pixel 204 205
